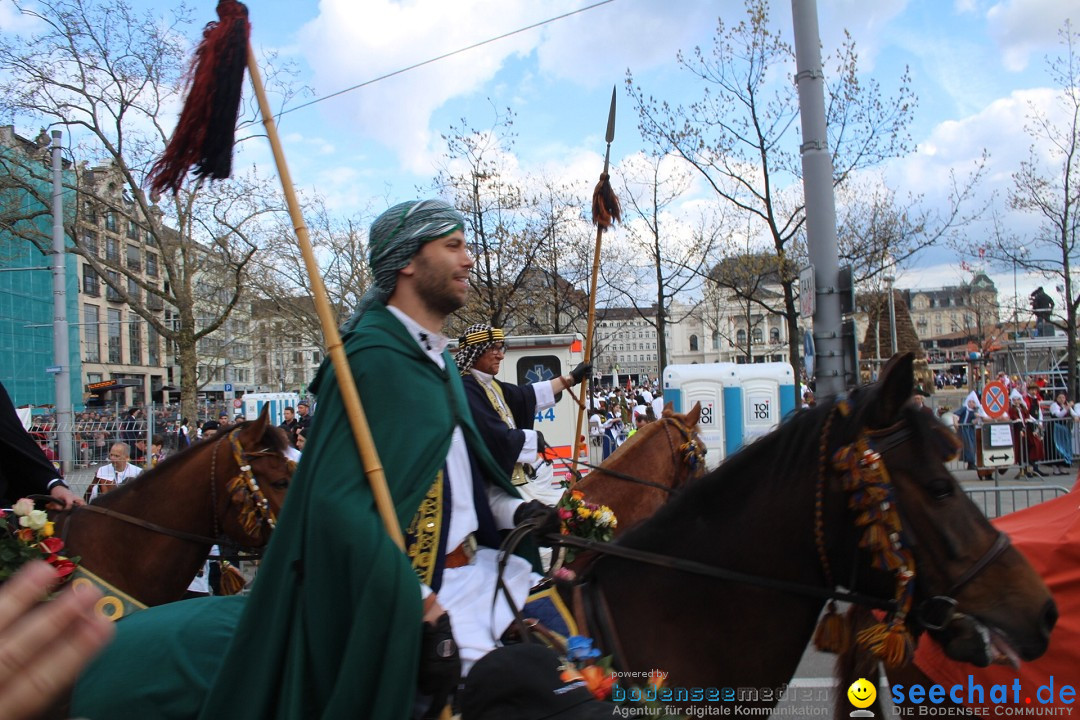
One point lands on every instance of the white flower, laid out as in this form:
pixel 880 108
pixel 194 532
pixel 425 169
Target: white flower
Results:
pixel 35 520
pixel 23 507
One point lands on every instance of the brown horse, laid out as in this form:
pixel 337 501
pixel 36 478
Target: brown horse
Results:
pixel 789 514
pixel 647 469
pixel 151 535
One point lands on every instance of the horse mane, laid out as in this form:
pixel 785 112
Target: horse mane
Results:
pixel 275 436
pixel 790 454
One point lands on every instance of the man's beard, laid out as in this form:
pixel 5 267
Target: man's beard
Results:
pixel 436 289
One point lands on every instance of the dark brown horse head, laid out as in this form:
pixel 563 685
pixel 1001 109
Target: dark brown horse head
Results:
pixel 254 493
pixel 973 591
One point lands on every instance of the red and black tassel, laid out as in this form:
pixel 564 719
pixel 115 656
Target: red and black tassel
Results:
pixel 205 135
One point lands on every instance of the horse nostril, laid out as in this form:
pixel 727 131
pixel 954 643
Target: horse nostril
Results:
pixel 1049 617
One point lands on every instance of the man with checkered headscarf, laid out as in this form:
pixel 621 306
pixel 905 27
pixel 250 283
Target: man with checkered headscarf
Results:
pixel 340 622
pixel 505 412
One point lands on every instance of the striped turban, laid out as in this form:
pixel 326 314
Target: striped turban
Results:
pixel 475 342
pixel 395 237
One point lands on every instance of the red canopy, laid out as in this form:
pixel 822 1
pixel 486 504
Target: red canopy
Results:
pixel 1048 534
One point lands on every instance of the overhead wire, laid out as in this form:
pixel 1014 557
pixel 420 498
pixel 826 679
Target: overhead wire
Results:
pixel 444 56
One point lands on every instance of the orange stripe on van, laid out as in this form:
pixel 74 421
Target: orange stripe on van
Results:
pixel 575 346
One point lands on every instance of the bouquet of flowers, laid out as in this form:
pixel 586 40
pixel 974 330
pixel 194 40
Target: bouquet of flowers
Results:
pixel 27 534
pixel 585 519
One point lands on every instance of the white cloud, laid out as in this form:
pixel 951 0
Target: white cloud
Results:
pixel 1025 27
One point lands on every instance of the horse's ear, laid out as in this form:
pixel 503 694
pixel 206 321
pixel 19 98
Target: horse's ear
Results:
pixel 257 428
pixel 897 382
pixel 694 415
pixel 669 410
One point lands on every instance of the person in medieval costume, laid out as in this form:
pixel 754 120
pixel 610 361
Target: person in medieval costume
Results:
pixel 505 413
pixel 340 623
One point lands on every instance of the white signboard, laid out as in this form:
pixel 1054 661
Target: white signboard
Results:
pixel 807 293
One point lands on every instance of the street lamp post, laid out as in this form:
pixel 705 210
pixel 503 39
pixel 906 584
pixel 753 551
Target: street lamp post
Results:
pixel 892 315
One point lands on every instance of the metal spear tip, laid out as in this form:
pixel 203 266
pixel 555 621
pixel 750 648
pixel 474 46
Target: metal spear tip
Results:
pixel 611 118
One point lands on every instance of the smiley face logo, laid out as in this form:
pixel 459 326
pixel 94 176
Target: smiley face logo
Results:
pixel 862 693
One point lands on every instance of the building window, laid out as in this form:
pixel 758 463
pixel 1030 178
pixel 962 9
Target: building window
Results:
pixel 693 343
pixel 110 220
pixel 758 336
pixel 151 264
pixel 110 294
pixel 153 347
pixel 114 336
pixel 90 283
pixel 134 258
pixel 135 343
pixel 133 289
pixel 774 335
pixel 716 340
pixel 90 243
pixel 91 333
pixel 154 301
pixel 132 230
pixel 112 250
pixel 740 337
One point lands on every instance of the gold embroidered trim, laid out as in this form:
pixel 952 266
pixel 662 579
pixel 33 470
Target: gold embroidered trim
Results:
pixel 498 401
pixel 424 531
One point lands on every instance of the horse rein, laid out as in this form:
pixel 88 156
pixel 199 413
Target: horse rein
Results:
pixel 693 457
pixel 241 456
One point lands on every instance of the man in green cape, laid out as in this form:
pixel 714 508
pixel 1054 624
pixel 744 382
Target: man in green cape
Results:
pixel 333 625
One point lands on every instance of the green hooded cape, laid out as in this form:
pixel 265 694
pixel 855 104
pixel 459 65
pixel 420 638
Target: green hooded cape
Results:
pixel 332 626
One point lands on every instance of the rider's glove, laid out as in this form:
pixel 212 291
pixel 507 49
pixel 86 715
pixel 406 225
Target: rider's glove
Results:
pixel 543 517
pixel 578 374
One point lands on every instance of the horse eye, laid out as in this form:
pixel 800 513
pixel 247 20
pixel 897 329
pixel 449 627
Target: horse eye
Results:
pixel 941 489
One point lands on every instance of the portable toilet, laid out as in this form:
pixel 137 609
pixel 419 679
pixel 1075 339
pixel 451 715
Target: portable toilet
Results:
pixel 255 402
pixel 710 385
pixel 765 393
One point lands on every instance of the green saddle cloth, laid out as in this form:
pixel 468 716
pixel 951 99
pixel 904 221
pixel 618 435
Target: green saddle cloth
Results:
pixel 161 662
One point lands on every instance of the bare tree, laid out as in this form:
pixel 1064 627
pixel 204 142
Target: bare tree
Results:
pixel 560 268
pixel 476 176
pixel 112 76
pixel 743 281
pixel 669 255
pixel 1047 185
pixel 741 136
pixel 281 282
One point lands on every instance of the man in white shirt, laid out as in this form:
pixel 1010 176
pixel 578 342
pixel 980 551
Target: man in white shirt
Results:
pixel 116 473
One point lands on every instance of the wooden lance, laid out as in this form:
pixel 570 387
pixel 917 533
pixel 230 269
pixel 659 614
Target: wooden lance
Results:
pixel 605 212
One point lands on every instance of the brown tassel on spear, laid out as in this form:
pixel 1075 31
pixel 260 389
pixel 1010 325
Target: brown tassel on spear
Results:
pixel 605 206
pixel 204 136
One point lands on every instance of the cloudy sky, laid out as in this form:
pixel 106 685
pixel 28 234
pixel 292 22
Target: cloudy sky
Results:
pixel 975 65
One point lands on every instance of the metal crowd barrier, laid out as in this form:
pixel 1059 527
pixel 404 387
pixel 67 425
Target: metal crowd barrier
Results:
pixel 1004 499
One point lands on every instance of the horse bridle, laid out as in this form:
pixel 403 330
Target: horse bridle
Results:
pixel 242 458
pixel 936 611
pixel 691 452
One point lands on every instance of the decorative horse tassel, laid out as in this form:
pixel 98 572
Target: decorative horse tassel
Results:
pixel 204 135
pixel 833 634
pixel 605 206
pixel 893 643
pixel 232 580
